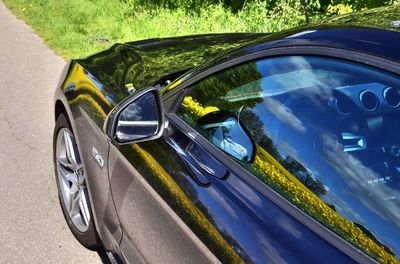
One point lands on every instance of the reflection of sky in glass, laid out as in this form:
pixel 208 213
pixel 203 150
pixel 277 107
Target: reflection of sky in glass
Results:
pixel 281 83
pixel 299 126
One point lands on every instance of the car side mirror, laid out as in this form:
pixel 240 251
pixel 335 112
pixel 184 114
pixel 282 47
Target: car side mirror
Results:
pixel 139 118
pixel 228 133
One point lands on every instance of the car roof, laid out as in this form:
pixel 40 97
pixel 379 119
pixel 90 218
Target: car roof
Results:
pixel 377 42
pixel 375 31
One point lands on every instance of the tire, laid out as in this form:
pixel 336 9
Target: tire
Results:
pixel 71 185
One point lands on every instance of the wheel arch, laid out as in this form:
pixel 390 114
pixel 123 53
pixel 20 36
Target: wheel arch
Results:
pixel 59 108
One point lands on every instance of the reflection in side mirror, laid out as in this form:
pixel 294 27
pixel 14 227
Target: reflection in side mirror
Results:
pixel 138 119
pixel 227 133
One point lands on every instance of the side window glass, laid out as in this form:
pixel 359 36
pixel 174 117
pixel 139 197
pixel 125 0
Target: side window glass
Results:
pixel 322 132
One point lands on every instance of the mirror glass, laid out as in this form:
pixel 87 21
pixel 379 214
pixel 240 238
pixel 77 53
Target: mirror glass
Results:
pixel 139 119
pixel 226 132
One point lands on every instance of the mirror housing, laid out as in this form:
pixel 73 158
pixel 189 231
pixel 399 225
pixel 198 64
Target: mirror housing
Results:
pixel 138 118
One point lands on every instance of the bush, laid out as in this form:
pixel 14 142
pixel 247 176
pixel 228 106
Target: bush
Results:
pixel 81 27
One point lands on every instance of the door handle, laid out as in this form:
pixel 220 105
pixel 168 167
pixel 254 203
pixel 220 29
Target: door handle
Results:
pixel 198 175
pixel 206 161
pixel 199 161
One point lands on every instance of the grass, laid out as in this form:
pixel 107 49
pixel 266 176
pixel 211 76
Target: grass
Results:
pixel 78 28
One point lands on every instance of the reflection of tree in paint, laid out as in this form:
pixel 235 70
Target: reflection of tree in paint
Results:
pixel 379 17
pixel 173 191
pixel 144 63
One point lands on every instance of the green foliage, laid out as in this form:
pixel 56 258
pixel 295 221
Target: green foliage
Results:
pixel 363 4
pixel 192 5
pixel 77 28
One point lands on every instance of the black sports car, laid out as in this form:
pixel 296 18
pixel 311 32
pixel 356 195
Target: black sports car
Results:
pixel 235 148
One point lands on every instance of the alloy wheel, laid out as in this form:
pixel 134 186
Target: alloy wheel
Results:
pixel 74 194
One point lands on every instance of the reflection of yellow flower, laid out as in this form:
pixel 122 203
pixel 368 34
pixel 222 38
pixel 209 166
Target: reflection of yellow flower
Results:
pixel 85 84
pixel 181 198
pixel 173 85
pixel 204 225
pixel 273 173
pixel 195 108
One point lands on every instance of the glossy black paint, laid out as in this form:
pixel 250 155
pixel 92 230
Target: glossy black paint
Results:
pixel 256 229
pixel 147 63
pixel 230 218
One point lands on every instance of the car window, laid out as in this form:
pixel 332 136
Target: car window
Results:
pixel 322 132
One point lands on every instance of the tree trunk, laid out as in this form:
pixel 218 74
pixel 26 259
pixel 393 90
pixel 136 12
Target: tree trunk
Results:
pixel 306 14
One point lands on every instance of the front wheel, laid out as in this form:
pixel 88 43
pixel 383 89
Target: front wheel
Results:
pixel 71 184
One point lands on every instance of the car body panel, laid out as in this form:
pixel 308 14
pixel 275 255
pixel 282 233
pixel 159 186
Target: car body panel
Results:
pixel 149 184
pixel 232 219
pixel 152 230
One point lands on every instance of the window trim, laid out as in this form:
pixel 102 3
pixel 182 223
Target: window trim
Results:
pixel 308 221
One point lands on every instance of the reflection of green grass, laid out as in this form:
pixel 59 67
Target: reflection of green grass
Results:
pixel 77 28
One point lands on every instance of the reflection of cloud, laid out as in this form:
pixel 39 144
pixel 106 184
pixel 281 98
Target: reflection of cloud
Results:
pixel 246 191
pixel 222 201
pixel 271 253
pixel 395 23
pixel 284 114
pixel 319 82
pixel 287 148
pixel 357 176
pixel 223 224
pixel 289 227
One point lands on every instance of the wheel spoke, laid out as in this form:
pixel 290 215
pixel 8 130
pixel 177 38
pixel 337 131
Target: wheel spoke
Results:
pixel 73 199
pixel 67 174
pixel 80 177
pixel 64 163
pixel 71 177
pixel 71 151
pixel 83 206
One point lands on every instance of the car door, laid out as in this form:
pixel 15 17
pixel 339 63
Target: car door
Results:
pixel 230 179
